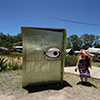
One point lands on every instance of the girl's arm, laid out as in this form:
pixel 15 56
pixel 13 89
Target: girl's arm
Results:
pixel 90 62
pixel 78 61
pixel 77 64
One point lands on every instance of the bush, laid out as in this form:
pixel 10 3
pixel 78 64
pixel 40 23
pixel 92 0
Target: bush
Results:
pixel 15 54
pixel 3 65
pixel 14 66
pixel 14 62
pixel 71 60
pixel 8 63
pixel 4 52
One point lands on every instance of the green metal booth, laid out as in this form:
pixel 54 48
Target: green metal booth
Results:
pixel 43 55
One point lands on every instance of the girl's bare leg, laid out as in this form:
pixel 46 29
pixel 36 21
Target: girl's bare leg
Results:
pixel 81 79
pixel 85 79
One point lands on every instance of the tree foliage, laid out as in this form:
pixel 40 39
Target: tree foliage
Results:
pixel 87 40
pixel 8 40
pixel 84 41
pixel 97 41
pixel 75 42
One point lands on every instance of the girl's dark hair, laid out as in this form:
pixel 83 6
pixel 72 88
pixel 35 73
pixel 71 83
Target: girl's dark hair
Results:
pixel 88 60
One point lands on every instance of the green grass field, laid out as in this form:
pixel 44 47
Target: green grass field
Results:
pixel 96 64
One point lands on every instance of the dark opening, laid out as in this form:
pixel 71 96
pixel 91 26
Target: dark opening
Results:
pixel 55 53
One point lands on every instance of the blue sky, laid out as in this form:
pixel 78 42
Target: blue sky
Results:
pixel 37 13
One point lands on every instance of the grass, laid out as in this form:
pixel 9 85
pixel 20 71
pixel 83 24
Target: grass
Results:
pixel 73 79
pixel 13 80
pixel 10 80
pixel 13 62
pixel 96 64
pixel 11 84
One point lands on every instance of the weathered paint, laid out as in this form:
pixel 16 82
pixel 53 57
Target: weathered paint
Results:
pixel 37 68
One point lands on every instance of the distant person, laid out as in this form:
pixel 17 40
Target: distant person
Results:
pixel 83 64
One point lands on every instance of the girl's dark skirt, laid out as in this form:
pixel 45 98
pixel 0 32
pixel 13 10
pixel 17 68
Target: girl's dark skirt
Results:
pixel 84 73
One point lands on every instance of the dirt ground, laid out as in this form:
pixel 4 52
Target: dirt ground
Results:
pixel 72 89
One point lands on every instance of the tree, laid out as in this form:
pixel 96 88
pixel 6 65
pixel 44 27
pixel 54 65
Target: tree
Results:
pixel 75 42
pixel 8 40
pixel 18 37
pixel 97 41
pixel 3 36
pixel 68 45
pixel 87 40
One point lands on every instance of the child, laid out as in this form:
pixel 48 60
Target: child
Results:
pixel 83 65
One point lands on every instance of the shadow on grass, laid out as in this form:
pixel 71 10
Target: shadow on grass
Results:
pixel 52 86
pixel 86 84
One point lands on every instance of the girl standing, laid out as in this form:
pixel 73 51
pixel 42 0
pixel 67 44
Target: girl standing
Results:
pixel 83 65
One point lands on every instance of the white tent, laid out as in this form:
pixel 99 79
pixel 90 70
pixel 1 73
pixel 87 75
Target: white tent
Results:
pixel 94 50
